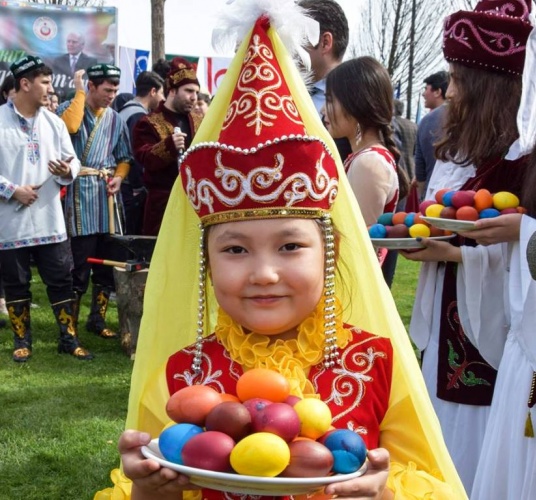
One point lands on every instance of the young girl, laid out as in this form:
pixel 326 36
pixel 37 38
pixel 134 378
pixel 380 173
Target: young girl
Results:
pixel 359 106
pixel 475 152
pixel 272 203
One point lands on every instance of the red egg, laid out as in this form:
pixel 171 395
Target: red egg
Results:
pixel 308 458
pixel 231 418
pixel 463 199
pixel 398 231
pixel 509 211
pixel 255 405
pixel 192 404
pixel 467 213
pixel 448 213
pixel 278 418
pixel 292 400
pixel 209 450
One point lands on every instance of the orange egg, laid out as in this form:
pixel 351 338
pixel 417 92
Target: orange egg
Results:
pixel 229 397
pixel 435 231
pixel 483 199
pixel 466 213
pixel 439 195
pixel 399 218
pixel 419 220
pixel 192 404
pixel 521 210
pixel 262 383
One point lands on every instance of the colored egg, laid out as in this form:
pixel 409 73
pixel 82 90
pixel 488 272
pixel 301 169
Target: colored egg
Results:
pixel 398 231
pixel 209 450
pixel 409 220
pixel 308 458
pixel 419 230
pixel 489 213
pixel 435 209
pixel 386 219
pixel 463 199
pixel 377 231
pixel 348 449
pixel 504 199
pixel 447 198
pixel 172 440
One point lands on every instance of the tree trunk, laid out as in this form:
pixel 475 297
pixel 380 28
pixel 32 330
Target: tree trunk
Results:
pixel 157 26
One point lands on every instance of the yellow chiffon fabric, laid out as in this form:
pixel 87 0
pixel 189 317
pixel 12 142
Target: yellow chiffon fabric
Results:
pixel 421 465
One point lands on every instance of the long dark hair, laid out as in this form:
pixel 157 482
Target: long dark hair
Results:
pixel 364 89
pixel 480 124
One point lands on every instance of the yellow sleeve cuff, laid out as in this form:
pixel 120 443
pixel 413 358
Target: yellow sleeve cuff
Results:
pixel 122 170
pixel 74 114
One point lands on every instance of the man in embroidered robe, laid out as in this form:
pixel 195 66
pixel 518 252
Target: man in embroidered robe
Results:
pixel 158 146
pixel 102 144
pixel 36 160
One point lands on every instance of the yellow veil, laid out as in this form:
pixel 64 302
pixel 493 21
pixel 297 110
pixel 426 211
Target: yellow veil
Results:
pixel 169 319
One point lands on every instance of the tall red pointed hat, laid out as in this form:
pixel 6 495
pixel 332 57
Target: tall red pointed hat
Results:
pixel 264 164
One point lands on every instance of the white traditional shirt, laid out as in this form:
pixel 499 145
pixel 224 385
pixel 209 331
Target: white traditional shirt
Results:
pixel 25 150
pixel 497 306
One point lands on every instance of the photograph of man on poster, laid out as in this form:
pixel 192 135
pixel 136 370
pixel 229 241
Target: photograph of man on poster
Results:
pixel 75 58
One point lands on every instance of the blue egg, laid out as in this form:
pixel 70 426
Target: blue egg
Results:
pixel 447 198
pixel 377 231
pixel 386 219
pixel 348 450
pixel 489 213
pixel 409 220
pixel 173 439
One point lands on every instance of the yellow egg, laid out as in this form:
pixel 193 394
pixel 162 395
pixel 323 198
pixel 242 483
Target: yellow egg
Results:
pixel 419 230
pixel 261 454
pixel 434 210
pixel 504 199
pixel 315 417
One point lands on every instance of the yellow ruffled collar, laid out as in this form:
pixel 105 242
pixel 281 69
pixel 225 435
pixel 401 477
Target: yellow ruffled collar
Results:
pixel 292 358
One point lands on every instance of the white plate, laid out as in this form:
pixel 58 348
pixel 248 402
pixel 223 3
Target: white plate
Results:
pixel 450 224
pixel 404 243
pixel 249 485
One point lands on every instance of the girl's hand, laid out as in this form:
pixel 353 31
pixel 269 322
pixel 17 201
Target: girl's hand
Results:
pixel 496 230
pixel 371 484
pixel 434 251
pixel 148 476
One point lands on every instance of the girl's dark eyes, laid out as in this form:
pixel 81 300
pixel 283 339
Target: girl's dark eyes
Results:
pixel 235 250
pixel 290 247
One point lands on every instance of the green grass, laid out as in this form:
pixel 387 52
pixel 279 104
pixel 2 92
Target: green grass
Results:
pixel 60 418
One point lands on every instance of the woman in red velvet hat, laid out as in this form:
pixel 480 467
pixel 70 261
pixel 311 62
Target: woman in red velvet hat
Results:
pixel 479 148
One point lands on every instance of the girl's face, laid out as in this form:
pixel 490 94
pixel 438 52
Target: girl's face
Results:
pixel 338 123
pixel 452 89
pixel 268 275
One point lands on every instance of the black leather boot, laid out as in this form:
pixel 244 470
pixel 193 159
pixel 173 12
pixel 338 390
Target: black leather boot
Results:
pixel 19 316
pixel 96 323
pixel 68 341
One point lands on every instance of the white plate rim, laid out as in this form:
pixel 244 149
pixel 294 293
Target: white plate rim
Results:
pixel 451 223
pixel 241 481
pixel 393 243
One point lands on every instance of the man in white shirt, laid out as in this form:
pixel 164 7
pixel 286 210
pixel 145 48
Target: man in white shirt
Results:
pixel 36 160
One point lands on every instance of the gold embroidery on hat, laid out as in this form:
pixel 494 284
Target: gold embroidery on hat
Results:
pixel 263 185
pixel 260 108
pixel 183 74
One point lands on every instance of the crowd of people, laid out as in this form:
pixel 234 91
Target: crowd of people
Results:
pixel 260 199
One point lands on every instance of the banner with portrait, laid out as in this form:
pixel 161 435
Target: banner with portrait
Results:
pixel 67 38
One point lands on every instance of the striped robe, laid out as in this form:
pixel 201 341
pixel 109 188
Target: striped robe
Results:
pixel 86 202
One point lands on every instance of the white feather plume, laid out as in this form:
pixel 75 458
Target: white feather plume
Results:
pixel 294 27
